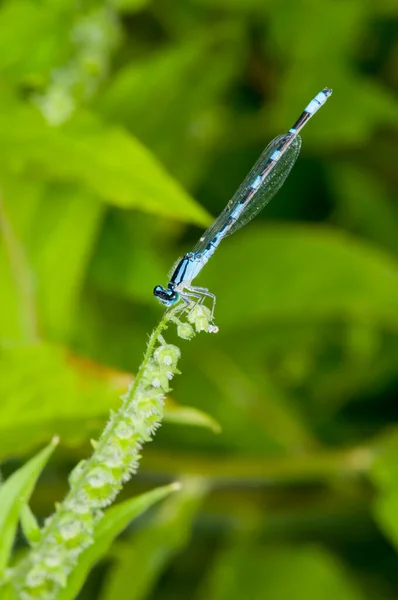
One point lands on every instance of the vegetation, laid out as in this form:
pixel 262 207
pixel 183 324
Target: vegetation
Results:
pixel 125 126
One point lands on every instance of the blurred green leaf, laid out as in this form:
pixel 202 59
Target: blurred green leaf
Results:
pixel 365 206
pixel 116 519
pixel 42 394
pixel 29 525
pixel 143 559
pixel 309 274
pixel 254 404
pixel 186 415
pixel 384 474
pixel 20 201
pixel 18 314
pixel 301 41
pixel 386 8
pixel 60 265
pixel 385 512
pixel 33 38
pixel 47 390
pixel 129 5
pixel 191 78
pixel 279 573
pixel 302 375
pixel 322 465
pixel 14 493
pixel 106 160
pixel 126 262
pixel 239 5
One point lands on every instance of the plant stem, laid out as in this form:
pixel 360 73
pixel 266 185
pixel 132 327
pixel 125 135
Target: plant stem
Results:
pixel 95 482
pixel 22 274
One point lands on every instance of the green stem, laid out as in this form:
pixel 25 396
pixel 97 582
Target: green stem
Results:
pixel 95 482
pixel 22 275
pixel 309 466
pixel 163 324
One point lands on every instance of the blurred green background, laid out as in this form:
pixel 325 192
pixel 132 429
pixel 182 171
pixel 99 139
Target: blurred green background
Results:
pixel 124 127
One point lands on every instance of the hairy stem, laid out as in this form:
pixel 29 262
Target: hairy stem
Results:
pixel 95 482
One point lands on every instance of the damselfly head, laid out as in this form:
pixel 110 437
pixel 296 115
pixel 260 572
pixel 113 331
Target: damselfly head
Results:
pixel 167 296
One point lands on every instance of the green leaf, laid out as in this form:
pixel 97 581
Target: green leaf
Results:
pixel 308 274
pixel 75 397
pixel 108 161
pixel 17 315
pixel 19 203
pixel 14 493
pixel 187 415
pixel 192 77
pixel 60 263
pixel 115 520
pixel 266 414
pixel 298 36
pixel 385 511
pixel 21 199
pixel 45 255
pixel 365 205
pixel 320 466
pixel 384 475
pixel 129 5
pixel 29 525
pixel 33 38
pixel 126 261
pixel 384 471
pixel 146 555
pixel 278 573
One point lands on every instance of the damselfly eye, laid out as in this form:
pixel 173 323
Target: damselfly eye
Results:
pixel 158 290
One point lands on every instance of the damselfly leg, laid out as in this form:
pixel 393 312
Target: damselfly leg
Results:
pixel 204 292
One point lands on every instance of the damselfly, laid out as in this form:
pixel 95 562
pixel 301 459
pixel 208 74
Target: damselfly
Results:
pixel 262 183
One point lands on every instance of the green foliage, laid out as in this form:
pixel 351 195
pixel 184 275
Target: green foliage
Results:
pixel 14 493
pixel 29 525
pixel 109 174
pixel 116 519
pixel 143 558
pixel 274 573
pixel 358 284
pixel 82 391
pixel 95 482
pixel 123 125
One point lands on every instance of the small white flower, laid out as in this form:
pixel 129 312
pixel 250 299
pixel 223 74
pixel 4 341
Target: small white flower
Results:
pixel 124 431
